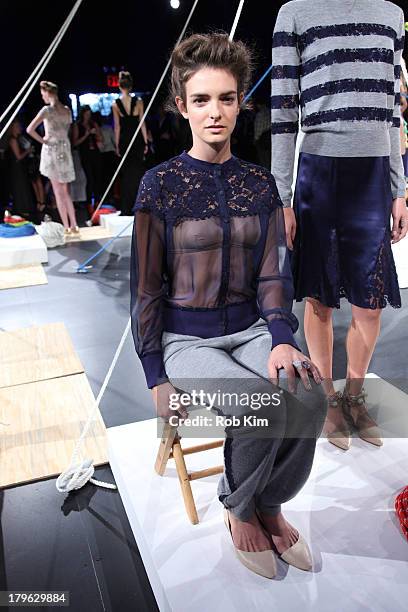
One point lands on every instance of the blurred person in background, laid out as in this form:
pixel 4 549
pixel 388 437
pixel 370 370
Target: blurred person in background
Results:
pixel 262 133
pixel 4 183
pixel 33 166
pixel 163 130
pixel 127 114
pixel 19 180
pixel 107 149
pixel 87 138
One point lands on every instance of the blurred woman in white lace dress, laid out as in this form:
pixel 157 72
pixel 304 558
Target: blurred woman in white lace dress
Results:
pixel 56 157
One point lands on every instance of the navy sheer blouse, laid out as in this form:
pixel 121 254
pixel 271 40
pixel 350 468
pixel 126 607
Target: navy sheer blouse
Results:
pixel 209 256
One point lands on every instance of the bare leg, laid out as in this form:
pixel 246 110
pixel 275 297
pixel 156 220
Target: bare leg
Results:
pixel 69 206
pixel 319 337
pixel 360 344
pixel 60 200
pixel 361 339
pixel 39 193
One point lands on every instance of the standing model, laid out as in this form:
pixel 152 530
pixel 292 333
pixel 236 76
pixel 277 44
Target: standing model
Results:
pixel 211 303
pixel 56 158
pixel 127 114
pixel 339 62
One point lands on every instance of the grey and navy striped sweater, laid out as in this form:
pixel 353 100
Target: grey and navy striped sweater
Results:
pixel 338 61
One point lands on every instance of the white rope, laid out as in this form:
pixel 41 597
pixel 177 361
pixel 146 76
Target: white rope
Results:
pixel 237 16
pixel 40 68
pixel 163 76
pixel 78 474
pixel 37 68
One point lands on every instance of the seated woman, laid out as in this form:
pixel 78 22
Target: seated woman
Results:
pixel 210 285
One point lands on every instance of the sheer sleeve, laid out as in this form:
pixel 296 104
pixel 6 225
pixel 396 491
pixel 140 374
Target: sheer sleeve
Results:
pixel 147 281
pixel 275 285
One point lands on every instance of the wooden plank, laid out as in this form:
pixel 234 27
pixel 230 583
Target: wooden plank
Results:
pixel 36 353
pixel 22 276
pixel 40 424
pixel 95 232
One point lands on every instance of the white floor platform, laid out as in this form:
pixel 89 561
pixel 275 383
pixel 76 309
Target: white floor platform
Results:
pixel 22 251
pixel 114 224
pixel 345 510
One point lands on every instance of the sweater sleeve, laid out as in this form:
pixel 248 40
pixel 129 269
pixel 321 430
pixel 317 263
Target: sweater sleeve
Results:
pixel 285 101
pixel 274 282
pixel 147 280
pixel 396 164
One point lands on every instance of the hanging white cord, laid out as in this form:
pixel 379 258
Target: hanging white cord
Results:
pixel 33 75
pixel 78 474
pixel 122 161
pixel 237 16
pixel 38 71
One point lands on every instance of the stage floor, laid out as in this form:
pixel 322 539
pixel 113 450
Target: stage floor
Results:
pixel 345 511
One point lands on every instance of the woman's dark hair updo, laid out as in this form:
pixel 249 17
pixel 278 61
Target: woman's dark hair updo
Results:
pixel 125 80
pixel 213 50
pixel 49 86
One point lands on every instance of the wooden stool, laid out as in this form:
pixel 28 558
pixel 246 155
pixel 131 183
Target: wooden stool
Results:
pixel 170 448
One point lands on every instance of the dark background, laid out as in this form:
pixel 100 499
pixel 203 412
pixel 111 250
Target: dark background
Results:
pixel 137 35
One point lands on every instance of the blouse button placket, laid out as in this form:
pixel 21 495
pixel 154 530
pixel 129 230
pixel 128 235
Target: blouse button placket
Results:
pixel 224 213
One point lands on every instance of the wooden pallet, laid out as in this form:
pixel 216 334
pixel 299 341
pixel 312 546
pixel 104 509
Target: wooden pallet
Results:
pixel 22 276
pixel 40 423
pixel 30 354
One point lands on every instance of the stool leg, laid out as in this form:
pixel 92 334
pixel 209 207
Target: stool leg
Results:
pixel 185 483
pixel 166 444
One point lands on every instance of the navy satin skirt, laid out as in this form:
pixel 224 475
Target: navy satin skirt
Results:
pixel 343 239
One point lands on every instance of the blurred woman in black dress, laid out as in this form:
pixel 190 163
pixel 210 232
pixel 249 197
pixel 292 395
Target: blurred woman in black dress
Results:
pixel 19 179
pixel 127 113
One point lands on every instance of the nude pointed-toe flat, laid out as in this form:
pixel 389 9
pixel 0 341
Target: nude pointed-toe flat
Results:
pixel 262 563
pixel 298 555
pixel 341 439
pixel 371 434
pixel 359 418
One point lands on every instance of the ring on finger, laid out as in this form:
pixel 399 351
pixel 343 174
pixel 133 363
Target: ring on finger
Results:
pixel 298 364
pixel 306 365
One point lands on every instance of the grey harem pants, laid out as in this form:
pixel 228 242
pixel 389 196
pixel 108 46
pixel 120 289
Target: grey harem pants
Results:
pixel 264 465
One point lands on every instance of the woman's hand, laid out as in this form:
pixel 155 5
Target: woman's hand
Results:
pixel 400 220
pixel 290 226
pixel 283 356
pixel 165 399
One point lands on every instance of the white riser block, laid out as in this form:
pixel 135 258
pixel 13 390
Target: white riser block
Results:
pixel 102 218
pixel 22 251
pixel 115 224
